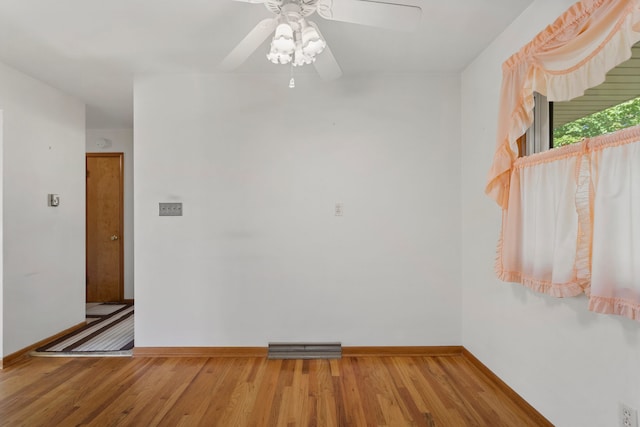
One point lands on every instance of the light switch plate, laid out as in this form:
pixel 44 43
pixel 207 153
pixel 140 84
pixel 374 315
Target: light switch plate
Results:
pixel 170 209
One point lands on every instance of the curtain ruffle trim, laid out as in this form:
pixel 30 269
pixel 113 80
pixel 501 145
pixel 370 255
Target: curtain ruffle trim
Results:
pixel 499 177
pixel 587 145
pixel 552 155
pixel 583 198
pixel 571 83
pixel 575 14
pixel 500 174
pixel 614 139
pixel 618 306
pixel 558 290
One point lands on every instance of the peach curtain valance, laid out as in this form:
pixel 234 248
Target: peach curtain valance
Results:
pixel 568 57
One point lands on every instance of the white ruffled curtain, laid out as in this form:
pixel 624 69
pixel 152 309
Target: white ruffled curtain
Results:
pixel 615 265
pixel 573 223
pixel 568 215
pixel 540 230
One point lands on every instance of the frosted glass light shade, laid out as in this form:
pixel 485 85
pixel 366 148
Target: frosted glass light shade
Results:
pixel 303 59
pixel 278 57
pixel 300 58
pixel 283 39
pixel 312 43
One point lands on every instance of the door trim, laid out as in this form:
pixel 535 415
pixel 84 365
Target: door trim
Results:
pixel 120 156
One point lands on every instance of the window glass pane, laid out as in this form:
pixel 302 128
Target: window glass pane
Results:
pixel 610 120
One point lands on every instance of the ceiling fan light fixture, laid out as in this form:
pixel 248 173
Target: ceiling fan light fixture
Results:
pixel 312 43
pixel 283 39
pixel 278 57
pixel 289 29
pixel 300 58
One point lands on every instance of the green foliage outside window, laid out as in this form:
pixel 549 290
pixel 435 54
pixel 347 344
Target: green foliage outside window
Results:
pixel 618 117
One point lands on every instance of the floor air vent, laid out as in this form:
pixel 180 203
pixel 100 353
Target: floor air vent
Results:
pixel 305 351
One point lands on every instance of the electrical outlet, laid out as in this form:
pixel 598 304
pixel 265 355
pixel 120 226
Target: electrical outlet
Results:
pixel 628 416
pixel 339 210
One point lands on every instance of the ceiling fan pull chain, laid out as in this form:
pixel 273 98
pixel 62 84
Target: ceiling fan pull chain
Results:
pixel 292 82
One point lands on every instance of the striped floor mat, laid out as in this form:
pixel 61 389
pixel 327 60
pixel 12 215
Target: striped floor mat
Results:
pixel 109 333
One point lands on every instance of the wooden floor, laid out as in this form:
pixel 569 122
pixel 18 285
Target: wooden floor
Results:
pixel 368 391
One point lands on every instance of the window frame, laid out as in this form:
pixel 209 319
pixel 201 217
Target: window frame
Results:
pixel 539 136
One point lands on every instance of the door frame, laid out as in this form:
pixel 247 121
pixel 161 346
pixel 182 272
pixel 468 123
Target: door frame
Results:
pixel 120 156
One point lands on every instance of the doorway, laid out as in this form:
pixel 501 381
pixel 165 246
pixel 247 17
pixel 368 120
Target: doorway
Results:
pixel 104 227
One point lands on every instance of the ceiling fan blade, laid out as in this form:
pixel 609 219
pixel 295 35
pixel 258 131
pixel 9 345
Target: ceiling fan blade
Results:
pixel 249 44
pixel 327 66
pixel 392 16
pixel 325 63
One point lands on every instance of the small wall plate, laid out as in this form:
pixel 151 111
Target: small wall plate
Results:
pixel 53 200
pixel 170 209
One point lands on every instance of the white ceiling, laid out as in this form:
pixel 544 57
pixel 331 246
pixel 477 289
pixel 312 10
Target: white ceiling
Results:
pixel 92 49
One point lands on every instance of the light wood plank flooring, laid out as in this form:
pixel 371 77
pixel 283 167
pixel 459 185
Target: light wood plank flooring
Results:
pixel 367 391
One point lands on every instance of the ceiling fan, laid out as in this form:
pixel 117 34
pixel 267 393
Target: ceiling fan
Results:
pixel 298 41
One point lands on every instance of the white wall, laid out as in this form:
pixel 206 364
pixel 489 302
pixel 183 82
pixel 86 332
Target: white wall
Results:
pixel 259 255
pixel 43 247
pixel 572 365
pixel 1 238
pixel 121 141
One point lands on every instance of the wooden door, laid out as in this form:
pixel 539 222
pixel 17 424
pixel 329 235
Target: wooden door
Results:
pixel 105 249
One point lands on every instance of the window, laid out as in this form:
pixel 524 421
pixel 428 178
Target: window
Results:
pixel 609 107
